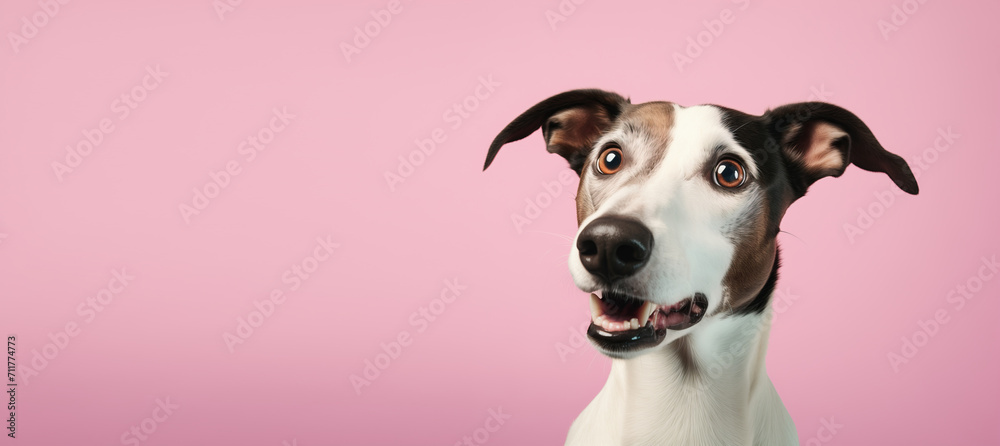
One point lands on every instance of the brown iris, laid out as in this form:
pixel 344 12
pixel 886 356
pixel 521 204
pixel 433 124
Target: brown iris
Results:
pixel 610 160
pixel 729 173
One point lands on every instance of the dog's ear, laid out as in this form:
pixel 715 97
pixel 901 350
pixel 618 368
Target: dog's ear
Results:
pixel 819 140
pixel 570 123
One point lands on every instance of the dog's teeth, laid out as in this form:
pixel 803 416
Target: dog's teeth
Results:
pixel 644 312
pixel 595 306
pixel 635 323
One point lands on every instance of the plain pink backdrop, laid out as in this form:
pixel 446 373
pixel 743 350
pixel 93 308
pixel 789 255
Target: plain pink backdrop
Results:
pixel 507 341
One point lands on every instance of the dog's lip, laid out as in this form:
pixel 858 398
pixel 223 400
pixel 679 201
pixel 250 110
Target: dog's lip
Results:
pixel 622 323
pixel 620 344
pixel 618 311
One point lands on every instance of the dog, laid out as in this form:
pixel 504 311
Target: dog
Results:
pixel 679 209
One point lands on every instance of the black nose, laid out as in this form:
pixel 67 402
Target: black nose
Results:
pixel 614 247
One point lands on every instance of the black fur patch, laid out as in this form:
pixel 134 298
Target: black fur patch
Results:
pixel 537 116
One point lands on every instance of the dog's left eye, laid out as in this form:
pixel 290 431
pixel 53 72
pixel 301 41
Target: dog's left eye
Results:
pixel 729 174
pixel 610 160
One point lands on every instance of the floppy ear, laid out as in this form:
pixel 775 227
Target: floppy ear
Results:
pixel 819 140
pixel 570 123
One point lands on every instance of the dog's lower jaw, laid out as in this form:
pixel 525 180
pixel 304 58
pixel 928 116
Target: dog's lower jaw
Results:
pixel 707 388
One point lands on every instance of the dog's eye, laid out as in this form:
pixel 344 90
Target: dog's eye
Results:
pixel 610 160
pixel 729 174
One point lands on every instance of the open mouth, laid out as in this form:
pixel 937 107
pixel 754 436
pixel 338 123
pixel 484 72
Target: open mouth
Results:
pixel 622 323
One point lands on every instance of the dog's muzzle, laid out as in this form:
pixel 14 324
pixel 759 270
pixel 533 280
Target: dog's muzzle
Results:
pixel 612 249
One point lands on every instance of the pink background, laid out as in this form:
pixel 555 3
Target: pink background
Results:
pixel 852 301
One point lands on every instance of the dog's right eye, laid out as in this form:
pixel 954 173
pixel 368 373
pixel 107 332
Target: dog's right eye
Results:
pixel 729 174
pixel 610 160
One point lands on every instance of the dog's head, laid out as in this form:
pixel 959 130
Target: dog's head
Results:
pixel 679 207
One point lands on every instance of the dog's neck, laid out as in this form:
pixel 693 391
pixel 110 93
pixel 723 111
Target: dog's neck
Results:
pixel 707 387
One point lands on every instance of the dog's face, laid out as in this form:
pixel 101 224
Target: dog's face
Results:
pixel 679 207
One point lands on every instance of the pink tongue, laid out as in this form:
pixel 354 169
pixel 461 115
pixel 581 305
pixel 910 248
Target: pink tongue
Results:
pixel 674 319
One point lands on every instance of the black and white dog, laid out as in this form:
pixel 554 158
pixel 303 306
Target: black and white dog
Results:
pixel 678 210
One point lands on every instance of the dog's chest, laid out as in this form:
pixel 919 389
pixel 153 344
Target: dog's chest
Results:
pixel 611 420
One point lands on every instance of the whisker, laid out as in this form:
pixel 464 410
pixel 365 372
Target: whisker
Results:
pixel 561 260
pixel 793 235
pixel 744 125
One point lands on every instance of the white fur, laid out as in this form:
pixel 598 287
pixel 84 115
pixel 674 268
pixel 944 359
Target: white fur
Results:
pixel 648 398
